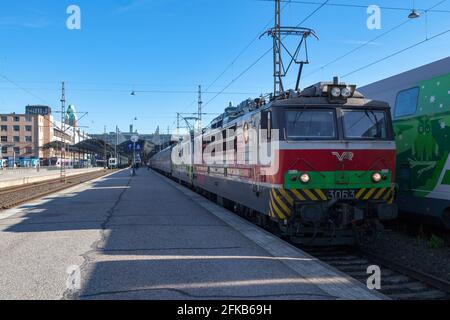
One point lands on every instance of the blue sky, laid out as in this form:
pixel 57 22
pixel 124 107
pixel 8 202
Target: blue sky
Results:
pixel 175 45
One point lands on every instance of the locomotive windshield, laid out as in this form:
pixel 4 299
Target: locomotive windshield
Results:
pixel 337 123
pixel 311 124
pixel 364 124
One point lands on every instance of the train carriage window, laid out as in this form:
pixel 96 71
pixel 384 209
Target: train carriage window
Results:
pixel 406 102
pixel 311 124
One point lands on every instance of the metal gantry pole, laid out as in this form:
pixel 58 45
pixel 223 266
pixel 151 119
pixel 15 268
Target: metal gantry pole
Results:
pixel 277 58
pixel 104 150
pixel 200 112
pixel 63 131
pixel 178 125
pixel 117 143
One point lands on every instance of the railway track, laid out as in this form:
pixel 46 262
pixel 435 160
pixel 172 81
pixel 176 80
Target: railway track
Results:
pixel 397 282
pixel 14 196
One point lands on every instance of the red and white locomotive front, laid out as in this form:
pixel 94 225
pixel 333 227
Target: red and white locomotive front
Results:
pixel 336 162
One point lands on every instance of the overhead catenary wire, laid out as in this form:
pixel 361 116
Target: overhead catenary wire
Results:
pixel 243 51
pixel 396 53
pixel 366 43
pixel 22 88
pixel 359 6
pixel 262 56
pixel 231 64
pixel 369 42
pixel 138 91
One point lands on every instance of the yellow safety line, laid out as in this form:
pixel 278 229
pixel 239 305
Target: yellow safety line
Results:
pixel 321 194
pixel 379 193
pixel 278 211
pixel 287 196
pixel 310 194
pixel 298 195
pixel 281 203
pixel 272 214
pixel 369 194
pixel 360 193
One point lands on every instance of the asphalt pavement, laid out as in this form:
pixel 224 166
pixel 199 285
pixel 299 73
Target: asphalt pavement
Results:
pixel 144 237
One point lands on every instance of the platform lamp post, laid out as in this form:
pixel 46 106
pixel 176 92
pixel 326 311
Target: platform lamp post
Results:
pixel 105 158
pixel 116 144
pixel 134 139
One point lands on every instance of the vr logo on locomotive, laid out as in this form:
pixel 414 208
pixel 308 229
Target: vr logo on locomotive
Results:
pixel 344 156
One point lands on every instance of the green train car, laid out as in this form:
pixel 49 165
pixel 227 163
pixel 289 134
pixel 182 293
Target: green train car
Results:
pixel 420 101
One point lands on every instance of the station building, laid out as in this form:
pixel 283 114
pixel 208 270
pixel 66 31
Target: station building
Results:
pixel 23 136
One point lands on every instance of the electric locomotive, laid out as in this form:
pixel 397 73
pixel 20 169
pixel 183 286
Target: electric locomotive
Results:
pixel 333 177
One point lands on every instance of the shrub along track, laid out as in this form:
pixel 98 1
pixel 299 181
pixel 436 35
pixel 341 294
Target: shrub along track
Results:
pixel 14 196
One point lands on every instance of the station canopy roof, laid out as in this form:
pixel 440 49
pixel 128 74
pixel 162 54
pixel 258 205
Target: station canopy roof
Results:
pixel 88 146
pixel 97 146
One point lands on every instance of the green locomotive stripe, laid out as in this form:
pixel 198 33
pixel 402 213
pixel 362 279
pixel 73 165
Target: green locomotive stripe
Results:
pixel 336 180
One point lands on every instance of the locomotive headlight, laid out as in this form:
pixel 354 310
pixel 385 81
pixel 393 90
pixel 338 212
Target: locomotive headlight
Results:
pixel 305 178
pixel 376 177
pixel 346 93
pixel 336 92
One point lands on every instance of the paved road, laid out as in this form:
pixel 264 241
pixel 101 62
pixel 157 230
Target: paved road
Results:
pixel 146 238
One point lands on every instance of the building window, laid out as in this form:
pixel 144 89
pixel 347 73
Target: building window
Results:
pixel 16 139
pixel 16 150
pixel 16 118
pixel 28 128
pixel 28 139
pixel 28 118
pixel 4 128
pixel 4 118
pixel 16 128
pixel 29 150
pixel 4 150
pixel 4 139
pixel 406 103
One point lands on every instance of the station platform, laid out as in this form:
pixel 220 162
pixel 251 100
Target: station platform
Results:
pixel 146 237
pixel 17 177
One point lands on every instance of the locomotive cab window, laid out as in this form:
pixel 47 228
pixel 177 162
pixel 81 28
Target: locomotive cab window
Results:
pixel 311 124
pixel 364 124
